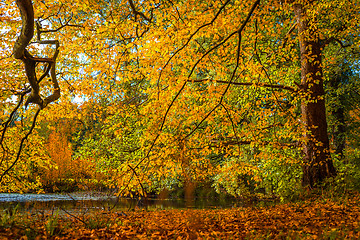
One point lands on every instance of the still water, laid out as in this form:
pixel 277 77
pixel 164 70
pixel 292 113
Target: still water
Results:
pixel 86 201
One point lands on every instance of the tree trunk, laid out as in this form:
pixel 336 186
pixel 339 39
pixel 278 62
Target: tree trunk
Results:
pixel 339 131
pixel 338 111
pixel 318 164
pixel 189 184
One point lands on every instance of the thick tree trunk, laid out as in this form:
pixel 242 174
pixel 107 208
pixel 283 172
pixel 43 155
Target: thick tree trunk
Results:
pixel 317 161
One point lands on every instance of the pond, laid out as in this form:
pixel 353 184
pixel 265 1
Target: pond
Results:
pixel 86 201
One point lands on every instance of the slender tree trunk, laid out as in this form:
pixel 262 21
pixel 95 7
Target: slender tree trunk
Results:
pixel 338 111
pixel 318 164
pixel 189 184
pixel 339 131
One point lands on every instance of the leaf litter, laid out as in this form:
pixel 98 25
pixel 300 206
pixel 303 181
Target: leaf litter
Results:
pixel 310 219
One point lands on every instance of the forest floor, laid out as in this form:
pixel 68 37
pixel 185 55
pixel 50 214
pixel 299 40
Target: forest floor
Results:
pixel 320 218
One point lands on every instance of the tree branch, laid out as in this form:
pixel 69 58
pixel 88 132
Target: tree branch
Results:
pixel 21 145
pixel 247 84
pixel 188 41
pixel 238 32
pixel 133 8
pixel 20 52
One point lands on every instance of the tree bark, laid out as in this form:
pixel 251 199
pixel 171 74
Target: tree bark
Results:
pixel 318 164
pixel 27 30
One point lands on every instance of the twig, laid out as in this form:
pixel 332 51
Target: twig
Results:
pixel 21 145
pixel 277 86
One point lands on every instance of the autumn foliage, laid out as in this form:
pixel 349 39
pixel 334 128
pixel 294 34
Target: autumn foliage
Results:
pixel 237 94
pixel 66 173
pixel 257 99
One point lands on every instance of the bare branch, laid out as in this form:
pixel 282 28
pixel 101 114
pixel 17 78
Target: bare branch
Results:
pixel 287 35
pixel 276 86
pixel 12 114
pixel 20 52
pixel 232 124
pixel 188 41
pixel 339 42
pixel 139 181
pixel 21 145
pixel 27 30
pixel 40 29
pixel 238 32
pixel 262 143
pixel 133 8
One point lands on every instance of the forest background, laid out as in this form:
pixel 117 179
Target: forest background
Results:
pixel 249 98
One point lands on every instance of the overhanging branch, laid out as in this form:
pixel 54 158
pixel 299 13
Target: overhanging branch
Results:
pixel 247 84
pixel 30 62
pixel 20 52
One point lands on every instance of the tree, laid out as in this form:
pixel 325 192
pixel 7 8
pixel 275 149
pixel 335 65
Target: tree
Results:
pixel 313 35
pixel 31 62
pixel 238 79
pixel 317 161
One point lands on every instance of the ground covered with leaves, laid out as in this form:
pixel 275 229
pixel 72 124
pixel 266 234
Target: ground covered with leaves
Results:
pixel 310 219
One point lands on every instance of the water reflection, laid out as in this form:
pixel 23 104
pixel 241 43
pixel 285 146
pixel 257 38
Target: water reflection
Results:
pixel 85 201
